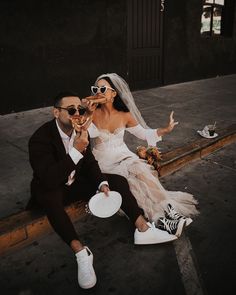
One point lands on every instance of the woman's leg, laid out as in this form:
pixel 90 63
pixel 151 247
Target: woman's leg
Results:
pixel 129 203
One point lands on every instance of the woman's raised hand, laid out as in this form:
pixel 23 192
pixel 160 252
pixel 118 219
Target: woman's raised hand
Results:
pixel 172 122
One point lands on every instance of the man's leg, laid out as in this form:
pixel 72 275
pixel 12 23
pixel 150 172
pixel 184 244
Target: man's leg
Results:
pixel 129 203
pixel 53 203
pixel 145 232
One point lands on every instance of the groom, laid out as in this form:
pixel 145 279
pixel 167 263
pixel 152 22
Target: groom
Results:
pixel 64 169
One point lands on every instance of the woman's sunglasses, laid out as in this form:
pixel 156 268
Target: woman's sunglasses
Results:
pixel 72 111
pixel 102 89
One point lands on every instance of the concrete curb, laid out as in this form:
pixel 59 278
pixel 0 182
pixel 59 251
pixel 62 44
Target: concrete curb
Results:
pixel 25 227
pixel 176 159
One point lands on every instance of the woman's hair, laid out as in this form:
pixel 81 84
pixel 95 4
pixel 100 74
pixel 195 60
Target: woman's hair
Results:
pixel 124 101
pixel 118 102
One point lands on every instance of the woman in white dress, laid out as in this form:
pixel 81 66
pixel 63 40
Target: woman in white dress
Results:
pixel 111 119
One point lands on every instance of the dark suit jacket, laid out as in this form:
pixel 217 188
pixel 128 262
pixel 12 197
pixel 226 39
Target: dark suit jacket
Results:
pixel 52 166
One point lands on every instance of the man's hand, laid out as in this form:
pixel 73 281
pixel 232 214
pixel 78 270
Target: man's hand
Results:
pixel 81 140
pixel 105 189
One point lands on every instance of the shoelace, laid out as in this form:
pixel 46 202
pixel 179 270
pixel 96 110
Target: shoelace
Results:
pixel 169 225
pixel 174 214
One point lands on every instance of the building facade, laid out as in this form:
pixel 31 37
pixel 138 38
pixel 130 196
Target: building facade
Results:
pixel 51 46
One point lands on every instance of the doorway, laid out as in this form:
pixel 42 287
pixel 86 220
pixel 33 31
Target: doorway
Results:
pixel 145 43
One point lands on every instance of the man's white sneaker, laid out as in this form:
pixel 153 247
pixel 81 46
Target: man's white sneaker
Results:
pixel 86 274
pixel 152 235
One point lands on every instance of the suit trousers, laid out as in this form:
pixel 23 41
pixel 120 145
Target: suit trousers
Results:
pixel 54 201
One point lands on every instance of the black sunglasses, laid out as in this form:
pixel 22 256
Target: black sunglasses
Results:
pixel 72 111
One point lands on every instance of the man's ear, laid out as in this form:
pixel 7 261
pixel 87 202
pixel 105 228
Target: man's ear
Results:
pixel 55 112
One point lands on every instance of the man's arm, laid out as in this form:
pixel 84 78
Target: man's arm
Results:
pixel 50 168
pixel 92 169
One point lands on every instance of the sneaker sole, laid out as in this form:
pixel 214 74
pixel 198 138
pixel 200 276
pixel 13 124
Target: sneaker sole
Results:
pixel 188 221
pixel 180 227
pixel 89 286
pixel 151 242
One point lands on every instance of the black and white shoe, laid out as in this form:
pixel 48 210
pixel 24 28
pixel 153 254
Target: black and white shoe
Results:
pixel 174 227
pixel 171 213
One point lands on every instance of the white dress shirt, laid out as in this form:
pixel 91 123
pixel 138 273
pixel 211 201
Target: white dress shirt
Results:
pixel 73 153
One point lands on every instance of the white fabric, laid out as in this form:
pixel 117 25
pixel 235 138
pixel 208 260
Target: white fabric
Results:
pixel 93 131
pixel 114 156
pixel 125 94
pixel 150 135
pixel 74 153
pixel 102 183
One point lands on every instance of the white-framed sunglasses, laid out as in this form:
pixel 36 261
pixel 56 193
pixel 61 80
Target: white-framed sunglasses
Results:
pixel 102 89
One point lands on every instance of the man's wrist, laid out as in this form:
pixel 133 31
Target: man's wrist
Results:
pixel 103 183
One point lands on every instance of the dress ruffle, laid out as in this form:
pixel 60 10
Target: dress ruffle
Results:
pixel 114 157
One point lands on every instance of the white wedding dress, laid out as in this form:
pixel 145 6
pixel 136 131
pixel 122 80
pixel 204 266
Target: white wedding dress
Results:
pixel 114 157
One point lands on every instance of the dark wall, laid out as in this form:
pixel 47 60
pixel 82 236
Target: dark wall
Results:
pixel 49 46
pixel 187 55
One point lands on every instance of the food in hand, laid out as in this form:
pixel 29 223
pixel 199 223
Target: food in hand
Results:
pixel 78 121
pixel 97 99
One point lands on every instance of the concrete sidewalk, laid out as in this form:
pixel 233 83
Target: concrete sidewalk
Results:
pixel 202 261
pixel 122 267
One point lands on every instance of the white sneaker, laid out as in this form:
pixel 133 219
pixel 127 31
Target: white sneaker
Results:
pixel 86 274
pixel 152 236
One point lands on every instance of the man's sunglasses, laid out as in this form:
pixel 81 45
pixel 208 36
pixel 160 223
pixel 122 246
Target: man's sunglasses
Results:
pixel 102 89
pixel 72 111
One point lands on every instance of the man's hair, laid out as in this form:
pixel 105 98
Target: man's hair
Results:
pixel 57 99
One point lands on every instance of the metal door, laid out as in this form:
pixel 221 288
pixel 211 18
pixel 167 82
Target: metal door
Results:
pixel 145 43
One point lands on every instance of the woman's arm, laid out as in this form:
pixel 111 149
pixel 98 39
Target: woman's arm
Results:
pixel 131 122
pixel 152 136
pixel 169 128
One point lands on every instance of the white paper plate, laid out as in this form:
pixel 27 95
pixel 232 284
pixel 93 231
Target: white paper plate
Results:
pixel 205 134
pixel 104 206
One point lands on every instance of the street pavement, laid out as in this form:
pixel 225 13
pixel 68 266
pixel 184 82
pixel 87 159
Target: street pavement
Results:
pixel 202 261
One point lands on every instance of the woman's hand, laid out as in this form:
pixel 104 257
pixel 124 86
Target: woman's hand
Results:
pixel 169 128
pixel 172 123
pixel 90 105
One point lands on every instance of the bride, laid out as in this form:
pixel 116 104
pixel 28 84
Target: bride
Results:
pixel 118 113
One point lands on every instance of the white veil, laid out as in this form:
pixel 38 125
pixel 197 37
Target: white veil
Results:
pixel 125 94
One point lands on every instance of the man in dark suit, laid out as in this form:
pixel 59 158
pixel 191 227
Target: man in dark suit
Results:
pixel 63 168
